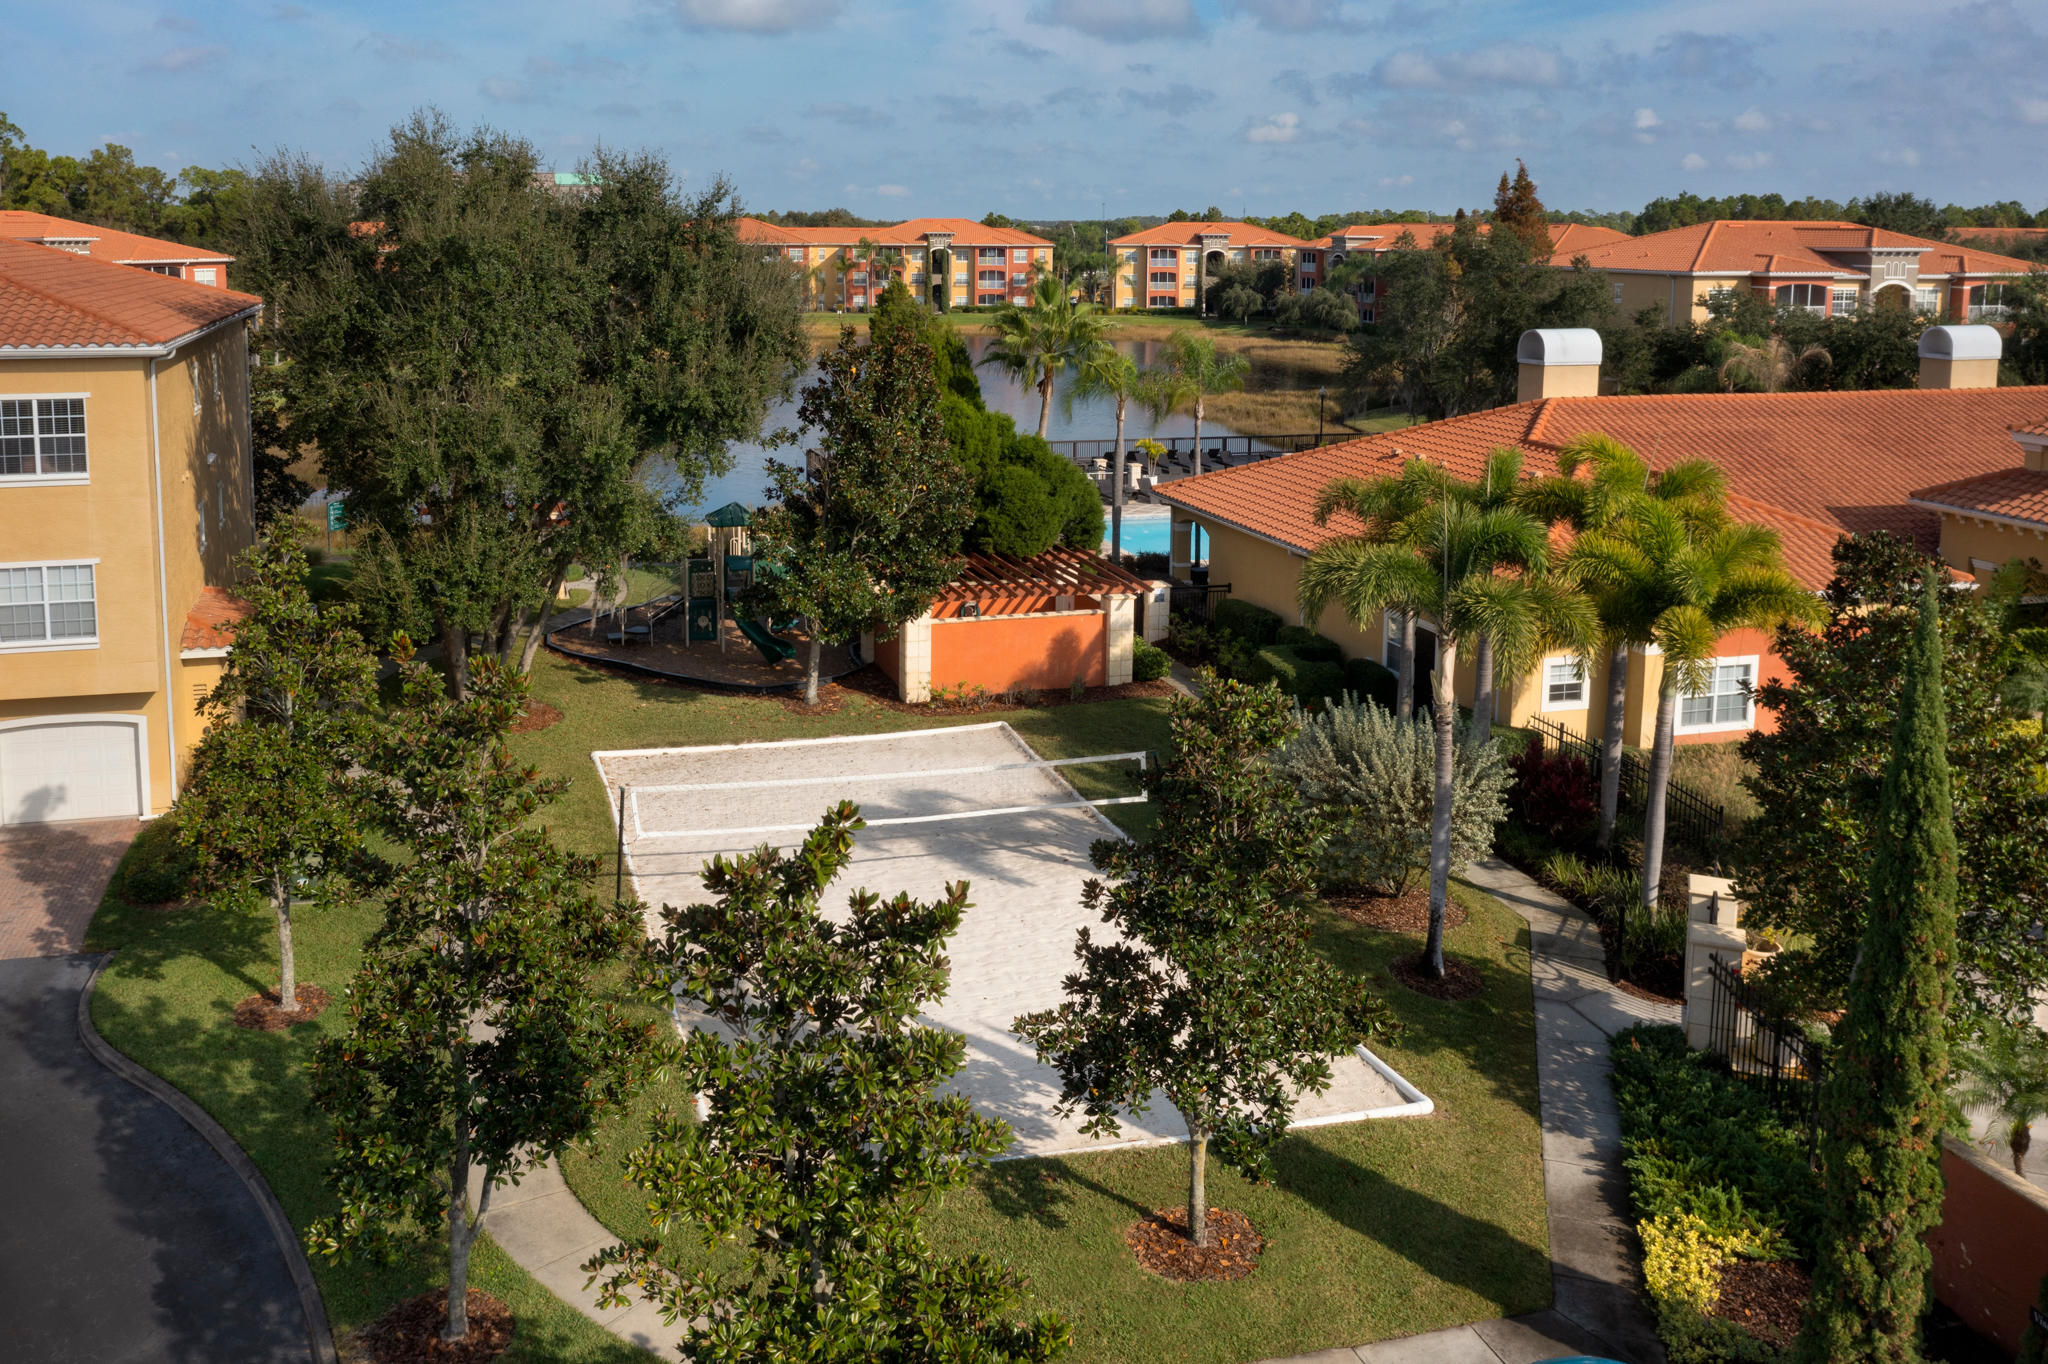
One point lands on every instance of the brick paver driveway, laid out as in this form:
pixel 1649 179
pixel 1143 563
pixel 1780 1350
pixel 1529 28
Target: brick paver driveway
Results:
pixel 51 880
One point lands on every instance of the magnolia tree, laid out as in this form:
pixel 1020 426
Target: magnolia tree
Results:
pixel 271 811
pixel 1207 988
pixel 825 1135
pixel 1373 775
pixel 478 1041
pixel 866 537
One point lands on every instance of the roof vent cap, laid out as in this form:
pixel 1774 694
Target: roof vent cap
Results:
pixel 1955 343
pixel 1562 346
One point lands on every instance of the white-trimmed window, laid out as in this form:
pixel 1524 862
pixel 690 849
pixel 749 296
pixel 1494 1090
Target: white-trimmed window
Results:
pixel 48 606
pixel 1811 298
pixel 1845 301
pixel 42 438
pixel 1166 254
pixel 1926 299
pixel 1564 684
pixel 992 253
pixel 1725 704
pixel 205 274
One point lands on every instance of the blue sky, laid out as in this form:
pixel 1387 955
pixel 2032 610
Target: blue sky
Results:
pixel 1041 108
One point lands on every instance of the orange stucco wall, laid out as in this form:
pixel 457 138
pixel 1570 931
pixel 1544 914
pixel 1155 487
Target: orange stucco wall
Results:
pixel 1991 1248
pixel 999 653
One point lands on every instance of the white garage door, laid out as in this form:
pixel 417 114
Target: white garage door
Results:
pixel 70 769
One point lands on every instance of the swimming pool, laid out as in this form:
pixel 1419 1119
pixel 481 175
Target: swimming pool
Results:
pixel 1147 530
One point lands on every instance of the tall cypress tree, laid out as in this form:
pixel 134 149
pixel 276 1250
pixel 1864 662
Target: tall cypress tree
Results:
pixel 1883 1110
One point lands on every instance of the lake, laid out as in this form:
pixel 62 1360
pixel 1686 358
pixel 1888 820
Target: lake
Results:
pixel 746 482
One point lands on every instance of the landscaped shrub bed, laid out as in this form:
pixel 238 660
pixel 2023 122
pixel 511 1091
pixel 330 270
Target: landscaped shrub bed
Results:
pixel 1720 1188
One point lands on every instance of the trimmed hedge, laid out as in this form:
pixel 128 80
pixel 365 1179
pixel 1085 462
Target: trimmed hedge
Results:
pixel 1310 645
pixel 1301 678
pixel 1373 681
pixel 1149 662
pixel 1253 624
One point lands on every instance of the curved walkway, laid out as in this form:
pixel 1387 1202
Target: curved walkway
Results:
pixel 128 1236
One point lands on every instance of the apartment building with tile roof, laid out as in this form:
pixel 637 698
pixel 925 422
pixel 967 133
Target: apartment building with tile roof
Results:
pixel 178 260
pixel 1166 266
pixel 1826 268
pixel 1935 464
pixel 948 262
pixel 126 492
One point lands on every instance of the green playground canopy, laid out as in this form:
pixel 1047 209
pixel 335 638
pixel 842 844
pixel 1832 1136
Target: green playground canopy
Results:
pixel 730 515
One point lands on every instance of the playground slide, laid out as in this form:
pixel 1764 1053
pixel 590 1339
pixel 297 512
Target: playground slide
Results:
pixel 773 649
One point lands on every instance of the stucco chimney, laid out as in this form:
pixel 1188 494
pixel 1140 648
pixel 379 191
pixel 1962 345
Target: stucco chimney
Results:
pixel 1558 363
pixel 1960 357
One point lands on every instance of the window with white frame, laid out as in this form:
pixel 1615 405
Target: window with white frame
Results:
pixel 1726 702
pixel 1564 684
pixel 1166 254
pixel 42 437
pixel 205 274
pixel 47 604
pixel 1811 298
pixel 1845 301
pixel 1926 299
pixel 1988 303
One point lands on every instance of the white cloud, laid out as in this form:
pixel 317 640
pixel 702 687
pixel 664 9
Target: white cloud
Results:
pixel 1274 128
pixel 1693 162
pixel 1647 118
pixel 804 169
pixel 1394 181
pixel 1752 120
pixel 2034 111
pixel 1511 64
pixel 1900 156
pixel 891 191
pixel 506 89
pixel 1123 21
pixel 1748 161
pixel 757 16
pixel 1296 16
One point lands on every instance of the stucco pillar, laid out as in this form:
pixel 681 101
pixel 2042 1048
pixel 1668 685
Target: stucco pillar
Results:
pixel 1714 930
pixel 914 673
pixel 1182 554
pixel 1117 637
pixel 1158 604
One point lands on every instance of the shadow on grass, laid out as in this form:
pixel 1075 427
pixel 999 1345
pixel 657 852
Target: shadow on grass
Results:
pixel 1444 1243
pixel 1040 1190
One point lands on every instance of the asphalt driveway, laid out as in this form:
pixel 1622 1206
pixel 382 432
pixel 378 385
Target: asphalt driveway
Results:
pixel 125 1236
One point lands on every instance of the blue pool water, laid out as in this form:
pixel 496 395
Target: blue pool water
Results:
pixel 1143 534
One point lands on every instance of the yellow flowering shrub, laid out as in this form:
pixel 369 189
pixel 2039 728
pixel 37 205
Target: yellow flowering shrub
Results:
pixel 1682 1259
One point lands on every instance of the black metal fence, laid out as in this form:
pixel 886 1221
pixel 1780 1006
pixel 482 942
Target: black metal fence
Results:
pixel 1197 599
pixel 1219 451
pixel 1689 817
pixel 1762 1048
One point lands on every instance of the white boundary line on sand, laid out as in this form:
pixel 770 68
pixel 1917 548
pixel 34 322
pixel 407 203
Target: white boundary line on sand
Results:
pixel 639 832
pixel 1414 1103
pixel 1140 755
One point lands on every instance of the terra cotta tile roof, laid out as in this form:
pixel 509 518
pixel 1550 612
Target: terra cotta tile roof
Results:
pixel 1566 239
pixel 104 243
pixel 966 232
pixel 1731 247
pixel 211 622
pixel 1191 234
pixel 52 298
pixel 2021 494
pixel 1813 466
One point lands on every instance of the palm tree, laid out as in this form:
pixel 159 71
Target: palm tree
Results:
pixel 1184 377
pixel 1617 479
pixel 1036 342
pixel 1772 366
pixel 1107 372
pixel 1470 570
pixel 1691 581
pixel 2006 1070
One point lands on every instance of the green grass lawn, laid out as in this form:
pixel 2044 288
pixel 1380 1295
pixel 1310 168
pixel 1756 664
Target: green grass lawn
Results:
pixel 166 1001
pixel 1374 1229
pixel 1377 1229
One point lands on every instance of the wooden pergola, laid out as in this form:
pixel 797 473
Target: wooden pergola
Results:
pixel 1056 572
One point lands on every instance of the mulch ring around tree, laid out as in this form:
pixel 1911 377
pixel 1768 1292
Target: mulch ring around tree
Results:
pixel 539 716
pixel 261 1013
pixel 410 1333
pixel 1766 1299
pixel 1160 1241
pixel 1460 980
pixel 1404 913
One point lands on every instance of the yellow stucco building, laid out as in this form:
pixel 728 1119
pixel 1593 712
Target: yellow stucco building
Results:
pixel 1810 466
pixel 947 262
pixel 126 488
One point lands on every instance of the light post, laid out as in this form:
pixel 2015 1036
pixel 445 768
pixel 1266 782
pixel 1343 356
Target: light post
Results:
pixel 1322 398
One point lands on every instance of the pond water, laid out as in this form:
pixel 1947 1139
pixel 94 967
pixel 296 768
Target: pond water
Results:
pixel 747 482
